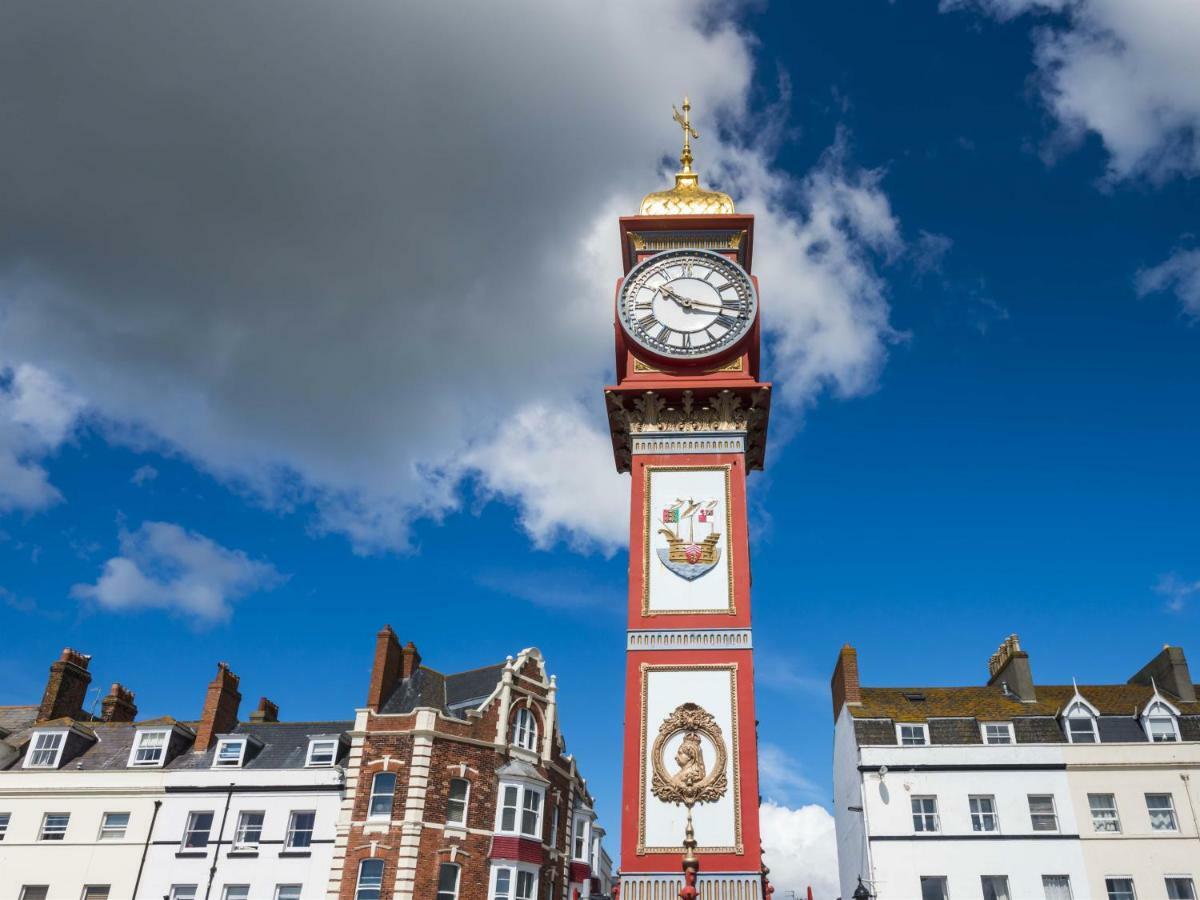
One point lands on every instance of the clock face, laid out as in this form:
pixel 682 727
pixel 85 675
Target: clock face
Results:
pixel 687 304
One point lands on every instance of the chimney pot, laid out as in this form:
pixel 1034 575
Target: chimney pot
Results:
pixel 266 712
pixel 844 685
pixel 221 703
pixel 411 660
pixel 385 670
pixel 1009 667
pixel 66 686
pixel 118 706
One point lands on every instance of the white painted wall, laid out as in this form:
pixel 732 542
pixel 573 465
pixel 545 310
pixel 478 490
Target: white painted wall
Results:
pixel 853 852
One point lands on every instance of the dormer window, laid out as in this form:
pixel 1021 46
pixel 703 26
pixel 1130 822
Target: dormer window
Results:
pixel 149 748
pixel 322 752
pixel 45 751
pixel 1079 721
pixel 231 753
pixel 915 735
pixel 525 730
pixel 1159 720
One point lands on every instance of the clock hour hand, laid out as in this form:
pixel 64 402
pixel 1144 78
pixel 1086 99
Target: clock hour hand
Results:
pixel 687 302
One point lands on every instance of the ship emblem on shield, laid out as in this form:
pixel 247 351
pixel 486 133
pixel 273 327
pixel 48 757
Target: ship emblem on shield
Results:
pixel 689 530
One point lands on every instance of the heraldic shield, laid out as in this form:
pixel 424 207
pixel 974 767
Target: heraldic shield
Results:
pixel 687 554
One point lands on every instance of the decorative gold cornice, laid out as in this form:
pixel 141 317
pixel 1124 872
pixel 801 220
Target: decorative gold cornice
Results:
pixel 651 412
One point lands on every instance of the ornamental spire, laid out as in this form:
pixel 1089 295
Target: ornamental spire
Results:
pixel 687 198
pixel 689 133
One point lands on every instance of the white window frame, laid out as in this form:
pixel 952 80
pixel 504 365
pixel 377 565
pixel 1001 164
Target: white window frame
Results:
pixel 921 726
pixel 1008 731
pixel 518 824
pixel 466 802
pixel 1108 815
pixel 1065 877
pixel 525 729
pixel 1007 885
pixel 56 751
pixel 977 799
pixel 944 879
pixel 87 894
pixel 177 891
pixel 140 735
pixel 235 887
pixel 280 888
pixel 313 745
pixel 1129 878
pixel 579 834
pixel 1077 710
pixel 242 827
pixel 373 816
pixel 515 871
pixel 237 762
pixel 1188 878
pixel 438 892
pixel 189 829
pixel 289 841
pixel 1170 808
pixel 924 814
pixel 59 834
pixel 1092 729
pixel 1159 711
pixel 105 826
pixel 5 819
pixel 358 881
pixel 1053 813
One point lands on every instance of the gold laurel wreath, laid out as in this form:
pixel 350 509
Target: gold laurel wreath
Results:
pixel 690 718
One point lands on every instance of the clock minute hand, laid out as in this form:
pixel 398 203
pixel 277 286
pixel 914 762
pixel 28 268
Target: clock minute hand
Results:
pixel 686 302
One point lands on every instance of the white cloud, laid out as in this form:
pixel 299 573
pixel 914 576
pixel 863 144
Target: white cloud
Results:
pixel 783 779
pixel 1177 591
pixel 800 847
pixel 143 474
pixel 1126 71
pixel 162 566
pixel 1180 274
pixel 37 414
pixel 351 259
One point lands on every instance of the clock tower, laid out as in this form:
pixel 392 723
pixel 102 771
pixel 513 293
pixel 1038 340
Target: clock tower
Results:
pixel 688 416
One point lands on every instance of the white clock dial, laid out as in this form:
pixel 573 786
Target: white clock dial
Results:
pixel 687 304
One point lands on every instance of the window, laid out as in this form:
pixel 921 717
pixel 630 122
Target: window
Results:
pixel 580 841
pixel 1120 888
pixel 149 748
pixel 924 813
pixel 525 729
pixel 383 790
pixel 933 887
pixel 47 750
pixel 300 830
pixel 997 733
pixel 447 882
pixel 553 830
pixel 183 892
pixel 995 887
pixel 1081 730
pixel 249 830
pixel 230 753
pixel 531 814
pixel 983 814
pixel 1162 728
pixel 195 834
pixel 508 808
pixel 912 735
pixel 1057 887
pixel 514 884
pixel 370 880
pixel 456 801
pixel 35 892
pixel 321 752
pixel 113 825
pixel 95 891
pixel 287 892
pixel 1162 812
pixel 54 826
pixel 1042 816
pixel 1104 812
pixel 1180 888
pixel 236 892
pixel 526 886
pixel 4 817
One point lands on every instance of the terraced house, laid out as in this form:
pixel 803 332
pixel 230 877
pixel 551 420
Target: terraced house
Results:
pixel 1015 789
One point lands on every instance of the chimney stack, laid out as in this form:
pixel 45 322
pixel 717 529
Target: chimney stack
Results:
pixel 220 714
pixel 1010 665
pixel 66 688
pixel 118 706
pixel 844 684
pixel 1170 672
pixel 266 712
pixel 411 660
pixel 385 671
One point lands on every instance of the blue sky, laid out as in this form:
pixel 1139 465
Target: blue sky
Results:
pixel 1012 446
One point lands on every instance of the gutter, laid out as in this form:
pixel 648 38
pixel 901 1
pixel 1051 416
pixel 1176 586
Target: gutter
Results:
pixel 146 846
pixel 212 871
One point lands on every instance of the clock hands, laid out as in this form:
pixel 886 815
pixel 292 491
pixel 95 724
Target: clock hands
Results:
pixel 688 302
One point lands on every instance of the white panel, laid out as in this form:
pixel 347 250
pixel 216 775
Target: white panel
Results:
pixel 665 688
pixel 702 497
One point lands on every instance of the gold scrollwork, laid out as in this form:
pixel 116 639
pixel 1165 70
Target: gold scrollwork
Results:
pixel 694 782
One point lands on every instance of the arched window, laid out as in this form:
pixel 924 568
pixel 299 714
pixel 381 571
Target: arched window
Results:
pixel 525 730
pixel 456 801
pixel 370 880
pixel 447 882
pixel 1159 721
pixel 1079 721
pixel 383 789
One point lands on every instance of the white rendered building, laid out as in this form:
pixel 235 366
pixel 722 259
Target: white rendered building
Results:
pixel 106 808
pixel 1014 791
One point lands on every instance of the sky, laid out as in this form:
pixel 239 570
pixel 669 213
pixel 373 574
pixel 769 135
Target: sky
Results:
pixel 305 313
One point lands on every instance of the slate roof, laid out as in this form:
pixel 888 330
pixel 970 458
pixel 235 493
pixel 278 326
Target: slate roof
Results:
pixel 990 703
pixel 450 694
pixel 16 718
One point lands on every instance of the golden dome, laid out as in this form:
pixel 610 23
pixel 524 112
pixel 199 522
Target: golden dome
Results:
pixel 687 198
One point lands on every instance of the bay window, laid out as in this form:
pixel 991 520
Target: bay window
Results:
pixel 520 810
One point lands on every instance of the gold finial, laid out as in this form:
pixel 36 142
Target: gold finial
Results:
pixel 687 197
pixel 689 133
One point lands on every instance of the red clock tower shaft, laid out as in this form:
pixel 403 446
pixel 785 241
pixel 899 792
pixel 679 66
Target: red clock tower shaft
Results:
pixel 689 430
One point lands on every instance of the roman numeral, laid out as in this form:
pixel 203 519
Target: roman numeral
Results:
pixel 725 320
pixel 647 322
pixel 687 340
pixel 664 333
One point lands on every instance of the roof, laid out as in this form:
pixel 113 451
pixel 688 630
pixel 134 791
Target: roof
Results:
pixel 448 693
pixel 991 704
pixel 17 718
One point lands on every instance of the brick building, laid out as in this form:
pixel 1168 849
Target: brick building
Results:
pixel 460 786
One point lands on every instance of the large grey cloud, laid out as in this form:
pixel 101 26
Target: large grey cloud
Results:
pixel 348 253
